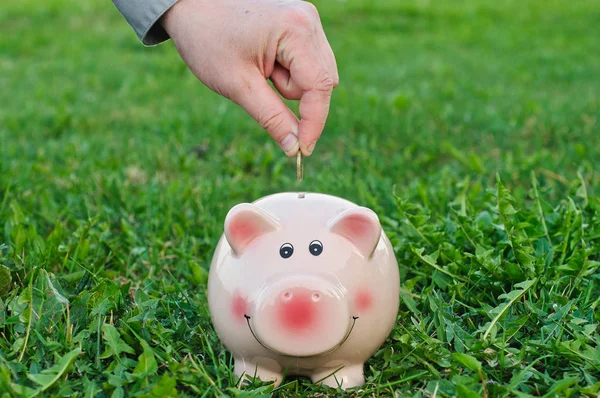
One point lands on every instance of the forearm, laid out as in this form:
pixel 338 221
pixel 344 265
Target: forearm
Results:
pixel 144 18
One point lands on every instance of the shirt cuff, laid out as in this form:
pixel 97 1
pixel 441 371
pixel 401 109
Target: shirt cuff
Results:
pixel 143 16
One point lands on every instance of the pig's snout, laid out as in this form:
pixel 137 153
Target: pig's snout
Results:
pixel 298 309
pixel 302 316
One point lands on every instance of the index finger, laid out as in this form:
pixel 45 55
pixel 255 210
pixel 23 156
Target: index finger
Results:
pixel 301 53
pixel 314 109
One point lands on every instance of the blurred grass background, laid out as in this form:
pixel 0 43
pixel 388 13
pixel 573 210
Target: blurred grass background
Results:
pixel 117 166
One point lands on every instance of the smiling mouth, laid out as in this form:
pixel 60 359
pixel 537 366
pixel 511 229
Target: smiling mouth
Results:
pixel 354 318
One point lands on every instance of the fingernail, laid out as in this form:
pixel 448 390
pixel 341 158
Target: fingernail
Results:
pixel 289 142
pixel 311 148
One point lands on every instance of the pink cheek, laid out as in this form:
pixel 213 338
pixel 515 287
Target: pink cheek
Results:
pixel 363 301
pixel 238 307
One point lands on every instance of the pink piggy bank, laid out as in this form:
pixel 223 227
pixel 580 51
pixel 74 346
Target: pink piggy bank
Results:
pixel 303 285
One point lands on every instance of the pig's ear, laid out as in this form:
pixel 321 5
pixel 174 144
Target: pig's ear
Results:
pixel 360 226
pixel 246 222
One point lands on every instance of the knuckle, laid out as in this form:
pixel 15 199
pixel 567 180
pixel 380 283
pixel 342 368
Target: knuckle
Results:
pixel 297 17
pixel 336 80
pixel 271 121
pixel 325 82
pixel 311 9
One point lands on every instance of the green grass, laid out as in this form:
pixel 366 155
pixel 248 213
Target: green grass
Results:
pixel 117 169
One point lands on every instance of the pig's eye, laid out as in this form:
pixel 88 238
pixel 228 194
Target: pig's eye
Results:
pixel 315 248
pixel 286 250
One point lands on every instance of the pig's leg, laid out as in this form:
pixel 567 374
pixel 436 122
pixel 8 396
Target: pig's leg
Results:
pixel 349 376
pixel 264 369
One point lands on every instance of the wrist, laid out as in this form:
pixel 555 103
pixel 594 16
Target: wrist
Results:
pixel 167 20
pixel 176 14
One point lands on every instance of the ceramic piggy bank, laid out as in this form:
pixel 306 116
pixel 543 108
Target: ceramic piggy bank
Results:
pixel 303 284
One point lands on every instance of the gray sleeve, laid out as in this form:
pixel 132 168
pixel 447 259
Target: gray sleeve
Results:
pixel 143 16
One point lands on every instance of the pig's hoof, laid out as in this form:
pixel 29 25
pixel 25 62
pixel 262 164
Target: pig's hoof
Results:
pixel 265 372
pixel 347 377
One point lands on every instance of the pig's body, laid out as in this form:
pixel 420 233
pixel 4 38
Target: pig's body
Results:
pixel 303 285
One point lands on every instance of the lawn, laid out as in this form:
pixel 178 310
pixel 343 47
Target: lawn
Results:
pixel 471 127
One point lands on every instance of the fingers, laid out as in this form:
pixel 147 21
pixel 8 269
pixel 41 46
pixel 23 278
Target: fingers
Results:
pixel 322 43
pixel 314 108
pixel 285 84
pixel 268 109
pixel 308 71
pixel 305 52
pixel 328 55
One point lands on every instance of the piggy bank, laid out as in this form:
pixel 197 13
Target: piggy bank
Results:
pixel 303 284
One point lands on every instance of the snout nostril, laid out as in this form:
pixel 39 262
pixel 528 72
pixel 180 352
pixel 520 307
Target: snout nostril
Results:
pixel 287 296
pixel 316 297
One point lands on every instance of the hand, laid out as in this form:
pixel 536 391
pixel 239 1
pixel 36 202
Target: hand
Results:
pixel 234 46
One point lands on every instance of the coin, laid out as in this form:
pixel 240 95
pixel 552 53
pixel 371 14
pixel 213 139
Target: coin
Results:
pixel 299 166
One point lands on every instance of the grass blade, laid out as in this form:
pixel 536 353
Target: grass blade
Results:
pixel 513 296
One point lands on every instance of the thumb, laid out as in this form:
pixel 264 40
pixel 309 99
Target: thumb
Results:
pixel 268 109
